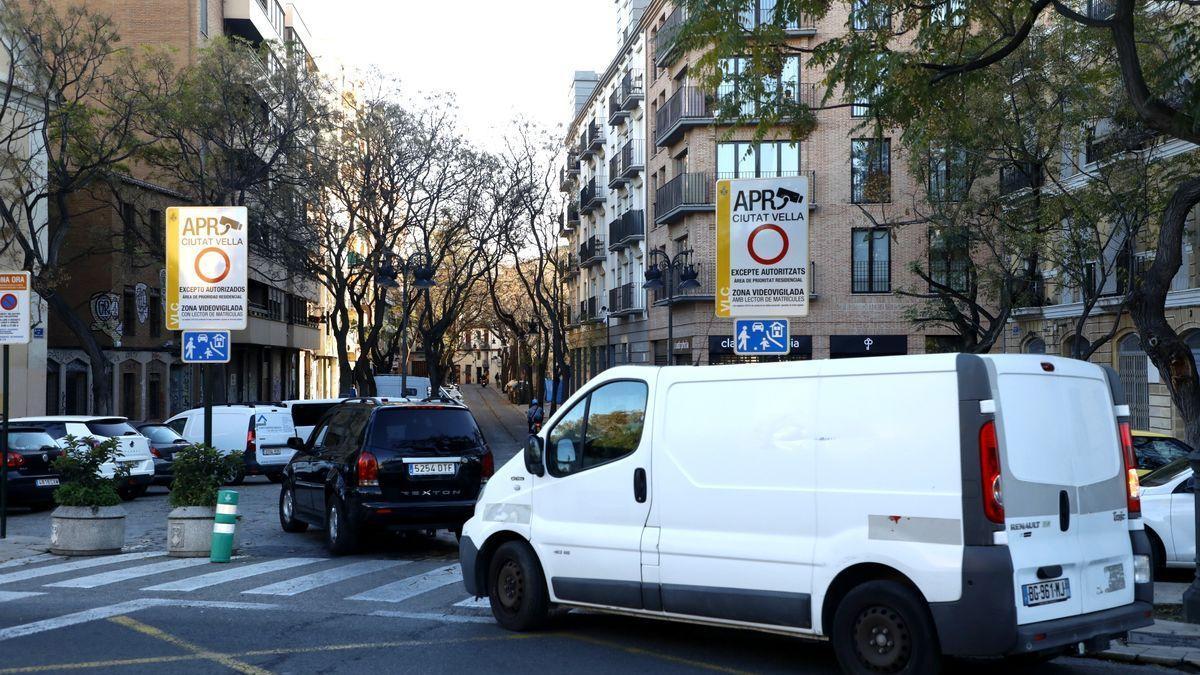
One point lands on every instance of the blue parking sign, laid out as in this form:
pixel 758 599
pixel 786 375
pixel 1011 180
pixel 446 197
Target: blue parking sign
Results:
pixel 762 337
pixel 206 346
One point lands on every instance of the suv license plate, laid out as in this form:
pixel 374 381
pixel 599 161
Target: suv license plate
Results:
pixel 1046 592
pixel 46 482
pixel 431 469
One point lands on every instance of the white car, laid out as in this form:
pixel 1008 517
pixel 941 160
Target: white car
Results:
pixel 134 448
pixel 904 507
pixel 1169 510
pixel 258 432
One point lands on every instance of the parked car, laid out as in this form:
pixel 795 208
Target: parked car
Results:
pixel 399 466
pixel 257 431
pixel 1154 450
pixel 164 443
pixel 1169 510
pixel 306 413
pixel 31 479
pixel 904 507
pixel 134 448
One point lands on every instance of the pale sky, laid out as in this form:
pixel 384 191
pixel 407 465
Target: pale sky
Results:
pixel 501 58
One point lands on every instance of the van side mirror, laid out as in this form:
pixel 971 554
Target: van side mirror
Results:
pixel 295 443
pixel 535 450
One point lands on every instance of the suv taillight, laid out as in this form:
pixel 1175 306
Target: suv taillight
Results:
pixel 1133 487
pixel 368 470
pixel 489 465
pixel 989 467
pixel 15 460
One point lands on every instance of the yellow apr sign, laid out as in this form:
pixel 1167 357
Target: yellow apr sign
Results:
pixel 207 267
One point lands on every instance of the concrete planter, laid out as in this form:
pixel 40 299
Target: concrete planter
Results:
pixel 189 531
pixel 82 530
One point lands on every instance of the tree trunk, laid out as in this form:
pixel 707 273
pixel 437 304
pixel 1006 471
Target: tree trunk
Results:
pixel 1167 351
pixel 102 371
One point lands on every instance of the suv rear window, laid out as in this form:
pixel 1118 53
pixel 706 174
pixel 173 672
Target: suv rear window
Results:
pixel 445 430
pixel 309 414
pixel 111 428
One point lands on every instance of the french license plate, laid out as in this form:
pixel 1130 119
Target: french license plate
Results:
pixel 46 482
pixel 270 451
pixel 431 469
pixel 1046 592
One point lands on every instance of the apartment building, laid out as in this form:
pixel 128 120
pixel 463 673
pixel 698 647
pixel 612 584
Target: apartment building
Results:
pixel 857 264
pixel 285 352
pixel 605 219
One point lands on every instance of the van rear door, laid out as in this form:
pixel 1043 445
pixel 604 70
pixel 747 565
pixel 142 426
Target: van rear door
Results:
pixel 1063 488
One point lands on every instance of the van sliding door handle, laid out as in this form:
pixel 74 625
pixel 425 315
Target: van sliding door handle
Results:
pixel 639 485
pixel 1064 511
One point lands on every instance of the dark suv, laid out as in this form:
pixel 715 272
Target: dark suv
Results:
pixel 404 466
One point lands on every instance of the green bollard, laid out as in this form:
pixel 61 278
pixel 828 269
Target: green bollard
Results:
pixel 224 526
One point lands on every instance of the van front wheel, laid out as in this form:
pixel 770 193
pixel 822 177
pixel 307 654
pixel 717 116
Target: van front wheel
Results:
pixel 884 627
pixel 517 588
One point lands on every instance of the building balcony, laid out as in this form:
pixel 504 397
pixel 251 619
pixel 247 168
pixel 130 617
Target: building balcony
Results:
pixel 570 218
pixel 255 21
pixel 566 180
pixel 689 107
pixel 666 50
pixel 589 311
pixel 593 140
pixel 1022 176
pixel 593 194
pixel 626 229
pixel 571 266
pixel 615 178
pixel 592 252
pixel 632 89
pixel 633 158
pixel 813 197
pixel 683 194
pixel 617 114
pixel 626 300
pixel 730 104
pixel 705 292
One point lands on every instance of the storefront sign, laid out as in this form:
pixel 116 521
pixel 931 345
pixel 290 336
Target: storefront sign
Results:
pixel 762 247
pixel 841 346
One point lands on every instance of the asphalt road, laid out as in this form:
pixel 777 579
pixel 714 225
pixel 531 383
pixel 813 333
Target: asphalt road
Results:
pixel 285 606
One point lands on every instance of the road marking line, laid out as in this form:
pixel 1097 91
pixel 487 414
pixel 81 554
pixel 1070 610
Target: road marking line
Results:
pixel 233 574
pixel 219 659
pixel 21 562
pixel 107 665
pixel 125 574
pixel 437 618
pixel 404 589
pixel 7 596
pixel 475 603
pixel 50 570
pixel 637 651
pixel 290 587
pixel 128 607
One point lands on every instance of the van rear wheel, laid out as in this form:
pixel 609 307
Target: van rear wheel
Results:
pixel 517 588
pixel 884 627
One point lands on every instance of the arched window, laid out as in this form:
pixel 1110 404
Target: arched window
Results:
pixel 1068 349
pixel 1132 367
pixel 1193 342
pixel 1035 345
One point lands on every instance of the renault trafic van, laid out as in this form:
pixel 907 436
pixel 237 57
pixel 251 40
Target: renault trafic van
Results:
pixel 906 507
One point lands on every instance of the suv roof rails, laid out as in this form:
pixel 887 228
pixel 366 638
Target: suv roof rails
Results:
pixel 256 404
pixel 440 399
pixel 364 399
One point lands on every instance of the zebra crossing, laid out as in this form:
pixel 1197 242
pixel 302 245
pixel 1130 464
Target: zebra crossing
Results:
pixel 370 585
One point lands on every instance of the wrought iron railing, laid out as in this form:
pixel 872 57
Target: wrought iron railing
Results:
pixel 687 191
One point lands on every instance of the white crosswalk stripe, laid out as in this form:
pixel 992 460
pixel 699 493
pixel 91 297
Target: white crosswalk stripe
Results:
pixel 233 574
pixel 404 589
pixel 21 562
pixel 127 573
pixel 8 596
pixel 475 603
pixel 323 578
pixel 87 563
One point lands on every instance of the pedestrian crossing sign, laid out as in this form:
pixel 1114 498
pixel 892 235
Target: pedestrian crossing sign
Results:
pixel 762 337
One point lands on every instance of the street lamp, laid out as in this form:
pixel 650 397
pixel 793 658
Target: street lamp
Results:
pixel 666 267
pixel 607 337
pixel 394 268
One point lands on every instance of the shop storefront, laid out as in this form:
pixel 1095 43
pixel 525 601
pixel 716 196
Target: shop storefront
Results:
pixel 721 351
pixel 857 346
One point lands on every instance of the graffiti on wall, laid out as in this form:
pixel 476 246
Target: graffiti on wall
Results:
pixel 141 298
pixel 106 316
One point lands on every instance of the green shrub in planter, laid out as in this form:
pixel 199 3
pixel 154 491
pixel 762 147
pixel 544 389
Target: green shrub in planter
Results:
pixel 79 469
pixel 199 472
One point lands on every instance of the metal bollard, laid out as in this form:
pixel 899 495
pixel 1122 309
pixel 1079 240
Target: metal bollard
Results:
pixel 224 526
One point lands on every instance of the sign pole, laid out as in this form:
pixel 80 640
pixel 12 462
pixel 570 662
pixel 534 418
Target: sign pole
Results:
pixel 4 458
pixel 207 398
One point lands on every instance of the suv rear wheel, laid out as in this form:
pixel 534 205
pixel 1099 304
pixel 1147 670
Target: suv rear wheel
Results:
pixel 517 588
pixel 287 511
pixel 884 627
pixel 341 535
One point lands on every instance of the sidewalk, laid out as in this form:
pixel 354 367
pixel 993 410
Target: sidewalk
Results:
pixel 17 547
pixel 1166 643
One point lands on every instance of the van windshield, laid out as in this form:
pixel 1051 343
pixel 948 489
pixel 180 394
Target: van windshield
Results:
pixel 441 430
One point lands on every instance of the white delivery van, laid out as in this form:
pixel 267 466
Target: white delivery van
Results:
pixel 904 507
pixel 259 432
pixel 395 386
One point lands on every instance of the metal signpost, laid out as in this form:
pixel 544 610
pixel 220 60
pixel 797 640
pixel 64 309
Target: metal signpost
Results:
pixel 762 247
pixel 207 279
pixel 762 337
pixel 14 330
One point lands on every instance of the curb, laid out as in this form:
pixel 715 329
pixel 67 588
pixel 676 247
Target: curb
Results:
pixel 17 548
pixel 1153 655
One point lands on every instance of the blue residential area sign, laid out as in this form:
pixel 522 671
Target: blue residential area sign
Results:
pixel 206 346
pixel 762 337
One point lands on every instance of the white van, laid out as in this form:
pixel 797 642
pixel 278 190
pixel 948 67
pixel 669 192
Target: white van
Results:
pixel 259 432
pixel 904 507
pixel 391 386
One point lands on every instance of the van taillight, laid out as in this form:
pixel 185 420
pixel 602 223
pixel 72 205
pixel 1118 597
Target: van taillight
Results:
pixel 989 467
pixel 368 470
pixel 251 445
pixel 1133 487
pixel 489 465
